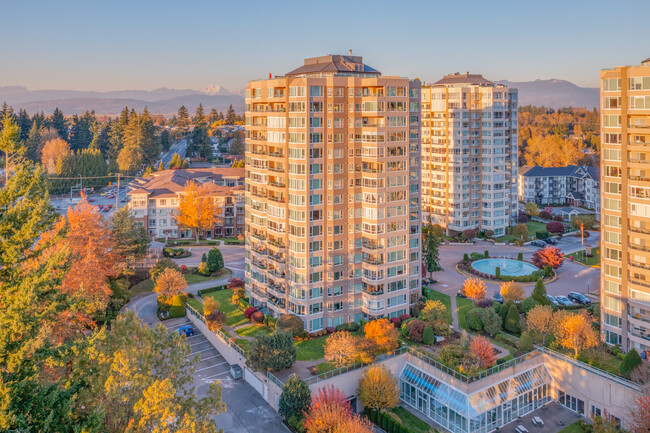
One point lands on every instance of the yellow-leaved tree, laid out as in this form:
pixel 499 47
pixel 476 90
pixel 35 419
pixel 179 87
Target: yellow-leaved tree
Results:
pixel 383 334
pixel 575 332
pixel 511 291
pixel 170 283
pixel 197 209
pixel 378 388
pixel 474 288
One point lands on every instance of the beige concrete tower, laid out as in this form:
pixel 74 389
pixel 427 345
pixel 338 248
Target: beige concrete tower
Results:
pixel 332 192
pixel 625 205
pixel 469 154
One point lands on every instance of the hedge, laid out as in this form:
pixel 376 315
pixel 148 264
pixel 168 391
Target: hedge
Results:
pixel 542 235
pixel 211 289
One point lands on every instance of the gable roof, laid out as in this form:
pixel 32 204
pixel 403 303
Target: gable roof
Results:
pixel 168 183
pixel 579 171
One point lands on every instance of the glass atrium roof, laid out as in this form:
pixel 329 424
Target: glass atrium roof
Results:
pixel 474 404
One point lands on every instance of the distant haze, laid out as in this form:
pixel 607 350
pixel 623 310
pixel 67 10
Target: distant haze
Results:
pixel 550 93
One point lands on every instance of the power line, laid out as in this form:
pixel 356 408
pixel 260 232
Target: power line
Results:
pixel 93 177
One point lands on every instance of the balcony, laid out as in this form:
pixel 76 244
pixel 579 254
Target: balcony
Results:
pixel 639 247
pixel 277 199
pixel 277 184
pixel 276 272
pixel 278 288
pixel 639 283
pixel 373 261
pixel 372 246
pixel 277 244
pixel 258 236
pixel 276 169
pixel 639 230
pixel 276 258
pixel 639 265
pixel 260 265
pixel 276 154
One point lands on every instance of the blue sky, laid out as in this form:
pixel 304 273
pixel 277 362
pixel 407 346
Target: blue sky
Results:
pixel 114 44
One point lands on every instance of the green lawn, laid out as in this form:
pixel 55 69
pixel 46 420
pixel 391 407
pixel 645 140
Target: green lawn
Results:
pixel 533 226
pixel 196 304
pixel 243 343
pixel 234 316
pixel 589 261
pixel 411 422
pixel 198 278
pixel 435 295
pixel 142 287
pixel 572 428
pixel 253 331
pixel 464 305
pixel 311 350
pixel 324 367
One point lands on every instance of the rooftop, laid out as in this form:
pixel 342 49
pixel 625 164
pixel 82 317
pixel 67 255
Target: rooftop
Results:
pixel 334 64
pixel 456 79
pixel 579 171
pixel 168 183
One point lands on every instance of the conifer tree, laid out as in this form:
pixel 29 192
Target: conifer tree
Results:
pixel 58 122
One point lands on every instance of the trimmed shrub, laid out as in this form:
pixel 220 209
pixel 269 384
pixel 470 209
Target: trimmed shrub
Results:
pixel 249 312
pixel 520 257
pixel 548 271
pixel 204 257
pixel 542 235
pixel 477 256
pixel 525 342
pixel 545 215
pixel 404 317
pixel 257 317
pixel 497 272
pixel 522 218
pixel 512 320
pixel 415 329
pixel 330 329
pixel 427 335
pixel 630 362
pixel 528 304
pixel 473 318
pixel 214 260
pixel 396 322
pixel 290 323
pixel 465 257
pixel 177 306
pixel 486 254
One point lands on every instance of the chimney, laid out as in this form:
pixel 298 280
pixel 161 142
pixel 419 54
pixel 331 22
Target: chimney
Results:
pixel 350 52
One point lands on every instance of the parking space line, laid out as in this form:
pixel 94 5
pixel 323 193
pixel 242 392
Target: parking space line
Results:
pixel 218 374
pixel 204 350
pixel 212 357
pixel 200 342
pixel 214 365
pixel 198 334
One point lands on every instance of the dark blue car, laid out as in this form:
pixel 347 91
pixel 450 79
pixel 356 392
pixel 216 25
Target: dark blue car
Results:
pixel 187 330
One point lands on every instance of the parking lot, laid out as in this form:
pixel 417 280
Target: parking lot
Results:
pixel 246 411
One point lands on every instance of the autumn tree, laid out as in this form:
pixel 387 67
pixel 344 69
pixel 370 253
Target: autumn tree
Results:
pixel 433 310
pixel 197 209
pixel 575 332
pixel 474 288
pixel 539 321
pixel 10 143
pixel 640 414
pixel 482 348
pixel 295 398
pixel 209 305
pixel 555 227
pixel 521 232
pixel 549 256
pixel 343 348
pixel 531 209
pixel 53 151
pixel 330 412
pixel 511 291
pixel 170 283
pixel 553 151
pixel 383 334
pixel 378 388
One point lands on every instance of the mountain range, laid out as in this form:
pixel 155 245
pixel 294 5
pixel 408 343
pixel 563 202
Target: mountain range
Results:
pixel 550 93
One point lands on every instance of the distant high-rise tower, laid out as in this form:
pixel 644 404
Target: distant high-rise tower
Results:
pixel 625 205
pixel 333 193
pixel 469 154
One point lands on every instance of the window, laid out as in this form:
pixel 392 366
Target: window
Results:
pixel 315 90
pixel 611 84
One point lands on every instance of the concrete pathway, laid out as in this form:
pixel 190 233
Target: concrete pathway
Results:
pixel 454 313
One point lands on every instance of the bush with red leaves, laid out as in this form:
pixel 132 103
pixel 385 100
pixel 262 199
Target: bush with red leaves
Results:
pixel 415 329
pixel 404 317
pixel 555 227
pixel 549 256
pixel 249 312
pixel 257 317
pixel 396 322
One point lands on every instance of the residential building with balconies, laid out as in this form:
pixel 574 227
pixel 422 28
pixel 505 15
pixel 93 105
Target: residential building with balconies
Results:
pixel 333 193
pixel 469 154
pixel 625 210
pixel 154 200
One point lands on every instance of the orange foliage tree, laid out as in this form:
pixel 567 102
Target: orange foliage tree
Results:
pixel 52 152
pixel 474 288
pixel 481 347
pixel 343 348
pixel 197 209
pixel 170 283
pixel 329 412
pixel 574 331
pixel 383 334
pixel 549 256
pixel 540 321
pixel 511 291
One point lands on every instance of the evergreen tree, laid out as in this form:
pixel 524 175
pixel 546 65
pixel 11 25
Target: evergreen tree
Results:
pixel 131 239
pixel 39 120
pixel 430 251
pixel 5 113
pixel 165 142
pixel 161 166
pixel 175 162
pixel 81 134
pixel 272 352
pixel 525 342
pixel 512 320
pixel 237 146
pixel 230 116
pixel 186 164
pixel 213 116
pixel 201 143
pixel 630 362
pixel 199 118
pixel 10 143
pixel 25 124
pixel 32 143
pixel 183 119
pixel 215 260
pixel 539 293
pixel 295 398
pixel 58 122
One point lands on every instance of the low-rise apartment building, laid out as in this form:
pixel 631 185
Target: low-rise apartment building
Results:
pixel 574 184
pixel 154 200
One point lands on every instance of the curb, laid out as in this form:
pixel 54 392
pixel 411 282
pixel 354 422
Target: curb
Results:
pixel 499 281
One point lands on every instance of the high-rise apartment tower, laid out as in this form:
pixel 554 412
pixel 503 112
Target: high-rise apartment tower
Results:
pixel 333 193
pixel 469 154
pixel 625 206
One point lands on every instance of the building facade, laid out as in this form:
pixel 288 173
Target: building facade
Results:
pixel 154 200
pixel 625 244
pixel 573 184
pixel 333 193
pixel 469 154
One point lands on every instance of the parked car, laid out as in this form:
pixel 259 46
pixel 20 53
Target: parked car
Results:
pixel 460 294
pixel 553 301
pixel 497 297
pixel 551 241
pixel 187 330
pixel 539 244
pixel 579 298
pixel 90 200
pixel 564 301
pixel 100 206
pixel 110 196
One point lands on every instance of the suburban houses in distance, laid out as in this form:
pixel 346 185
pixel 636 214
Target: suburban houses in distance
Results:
pixel 572 185
pixel 154 200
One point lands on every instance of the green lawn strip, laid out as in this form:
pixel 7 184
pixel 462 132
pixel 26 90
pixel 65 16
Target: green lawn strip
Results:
pixel 253 331
pixel 196 304
pixel 234 316
pixel 463 306
pixel 445 299
pixel 324 367
pixel 579 256
pixel 310 350
pixel 243 343
pixel 572 428
pixel 142 287
pixel 411 422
